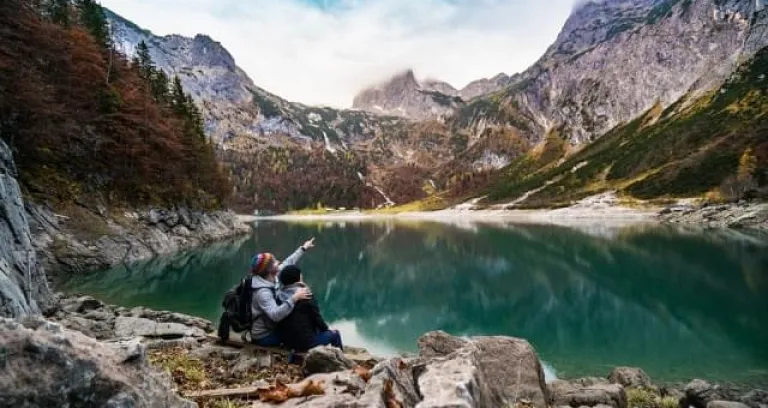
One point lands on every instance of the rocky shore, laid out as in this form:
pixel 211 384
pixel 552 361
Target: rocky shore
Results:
pixel 90 240
pixel 753 215
pixel 92 354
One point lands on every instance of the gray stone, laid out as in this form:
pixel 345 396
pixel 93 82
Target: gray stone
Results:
pixel 699 393
pixel 438 343
pixel 575 395
pixel 137 326
pixel 726 404
pixel 630 377
pixel 247 363
pixel 326 359
pixel 492 371
pixel 129 351
pixel 755 398
pixel 401 375
pixel 23 285
pixel 47 369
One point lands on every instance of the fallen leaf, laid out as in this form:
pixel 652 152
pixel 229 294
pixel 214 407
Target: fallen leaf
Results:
pixel 277 394
pixel 402 365
pixel 309 389
pixel 362 372
pixel 390 400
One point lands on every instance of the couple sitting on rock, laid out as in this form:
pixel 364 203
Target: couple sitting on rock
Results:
pixel 289 315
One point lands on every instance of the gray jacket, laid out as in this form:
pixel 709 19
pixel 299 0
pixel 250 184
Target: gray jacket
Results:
pixel 264 309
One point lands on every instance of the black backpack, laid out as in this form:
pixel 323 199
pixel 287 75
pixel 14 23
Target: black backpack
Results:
pixel 237 309
pixel 237 314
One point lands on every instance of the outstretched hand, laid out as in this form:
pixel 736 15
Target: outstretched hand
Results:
pixel 309 244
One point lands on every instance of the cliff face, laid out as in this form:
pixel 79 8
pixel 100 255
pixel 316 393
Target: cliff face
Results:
pixel 23 287
pixel 615 60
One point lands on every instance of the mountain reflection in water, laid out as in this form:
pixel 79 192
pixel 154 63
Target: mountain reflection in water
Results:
pixel 679 303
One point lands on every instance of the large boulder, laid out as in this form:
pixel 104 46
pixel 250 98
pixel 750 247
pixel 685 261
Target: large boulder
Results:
pixel 699 393
pixel 326 359
pixel 505 369
pixel 630 377
pixel 583 394
pixel 450 372
pixel 439 343
pixel 44 365
pixel 23 285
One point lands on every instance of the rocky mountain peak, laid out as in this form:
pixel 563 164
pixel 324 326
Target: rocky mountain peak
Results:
pixel 484 86
pixel 403 95
pixel 439 86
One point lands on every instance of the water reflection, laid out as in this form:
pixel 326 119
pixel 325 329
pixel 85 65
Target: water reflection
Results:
pixel 680 303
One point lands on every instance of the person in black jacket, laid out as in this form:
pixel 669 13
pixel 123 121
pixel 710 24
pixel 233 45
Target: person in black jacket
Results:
pixel 304 328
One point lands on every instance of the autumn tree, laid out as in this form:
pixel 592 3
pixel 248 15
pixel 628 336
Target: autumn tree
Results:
pixel 84 122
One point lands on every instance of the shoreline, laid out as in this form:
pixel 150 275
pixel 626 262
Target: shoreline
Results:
pixel 603 209
pixel 180 345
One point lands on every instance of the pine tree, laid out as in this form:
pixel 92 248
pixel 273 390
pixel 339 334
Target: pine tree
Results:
pixel 160 85
pixel 93 19
pixel 143 61
pixel 178 98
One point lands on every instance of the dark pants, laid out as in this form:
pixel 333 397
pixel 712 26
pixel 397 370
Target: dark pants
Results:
pixel 330 337
pixel 271 340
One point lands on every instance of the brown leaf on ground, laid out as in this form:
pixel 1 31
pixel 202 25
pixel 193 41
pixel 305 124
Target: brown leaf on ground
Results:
pixel 390 400
pixel 362 372
pixel 309 389
pixel 276 394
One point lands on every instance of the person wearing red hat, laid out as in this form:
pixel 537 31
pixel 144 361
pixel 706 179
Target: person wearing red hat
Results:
pixel 265 310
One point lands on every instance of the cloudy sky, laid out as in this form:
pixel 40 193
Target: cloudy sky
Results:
pixel 324 51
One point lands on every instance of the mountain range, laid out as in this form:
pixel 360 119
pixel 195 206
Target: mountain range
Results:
pixel 614 63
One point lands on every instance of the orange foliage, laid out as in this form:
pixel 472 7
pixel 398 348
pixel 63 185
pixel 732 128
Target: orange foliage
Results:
pixel 80 120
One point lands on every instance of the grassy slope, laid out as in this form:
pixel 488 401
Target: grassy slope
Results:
pixel 685 150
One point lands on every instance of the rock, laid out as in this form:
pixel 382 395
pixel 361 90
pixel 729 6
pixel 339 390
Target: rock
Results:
pixel 129 351
pixel 456 382
pixel 93 328
pixel 58 367
pixel 589 381
pixel 248 363
pixel 210 351
pixel 755 399
pixel 80 304
pixel 570 394
pixel 23 285
pixel 398 372
pixel 699 393
pixel 326 359
pixel 438 343
pixel 137 326
pixel 726 404
pixel 506 368
pixel 630 377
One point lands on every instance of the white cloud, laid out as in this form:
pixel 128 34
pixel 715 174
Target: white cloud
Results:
pixel 325 56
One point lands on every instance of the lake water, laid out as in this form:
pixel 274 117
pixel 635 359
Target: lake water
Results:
pixel 679 303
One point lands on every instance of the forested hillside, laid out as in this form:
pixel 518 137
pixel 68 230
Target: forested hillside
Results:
pixel 85 122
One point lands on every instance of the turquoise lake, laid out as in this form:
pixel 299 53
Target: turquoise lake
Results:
pixel 680 303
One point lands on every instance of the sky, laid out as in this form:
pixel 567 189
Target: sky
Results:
pixel 323 52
